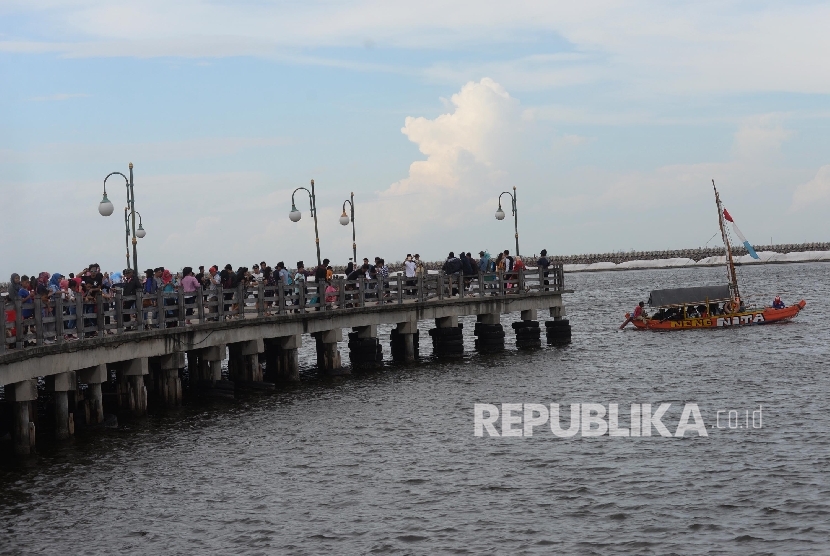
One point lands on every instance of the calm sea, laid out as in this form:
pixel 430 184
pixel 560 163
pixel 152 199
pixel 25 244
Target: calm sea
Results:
pixel 388 463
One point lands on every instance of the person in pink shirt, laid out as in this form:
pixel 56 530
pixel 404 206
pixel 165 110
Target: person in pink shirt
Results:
pixel 189 285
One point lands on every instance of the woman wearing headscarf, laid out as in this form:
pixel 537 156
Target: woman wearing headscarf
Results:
pixel 14 288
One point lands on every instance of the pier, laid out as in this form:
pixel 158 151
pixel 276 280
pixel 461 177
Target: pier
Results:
pixel 134 349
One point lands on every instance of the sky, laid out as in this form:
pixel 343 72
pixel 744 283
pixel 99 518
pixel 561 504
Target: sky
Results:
pixel 610 118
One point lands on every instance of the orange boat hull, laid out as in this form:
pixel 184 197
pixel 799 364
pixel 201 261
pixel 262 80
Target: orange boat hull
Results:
pixel 760 316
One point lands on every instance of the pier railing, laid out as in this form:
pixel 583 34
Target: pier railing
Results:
pixel 58 319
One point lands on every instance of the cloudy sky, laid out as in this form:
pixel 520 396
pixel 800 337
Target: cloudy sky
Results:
pixel 610 118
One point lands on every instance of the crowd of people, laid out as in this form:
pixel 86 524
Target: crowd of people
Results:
pixel 90 284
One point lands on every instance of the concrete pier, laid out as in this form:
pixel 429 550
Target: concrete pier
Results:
pixel 328 356
pixel 22 394
pixel 282 359
pixel 93 377
pixel 404 342
pixel 253 337
pixel 60 385
pixel 132 393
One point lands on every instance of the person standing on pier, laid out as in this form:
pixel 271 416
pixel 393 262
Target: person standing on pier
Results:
pixel 544 263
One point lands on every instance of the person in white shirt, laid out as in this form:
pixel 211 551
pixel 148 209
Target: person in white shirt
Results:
pixel 409 272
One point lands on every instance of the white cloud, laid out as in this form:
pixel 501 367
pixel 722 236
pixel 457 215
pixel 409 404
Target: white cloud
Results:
pixel 813 194
pixel 646 48
pixel 761 135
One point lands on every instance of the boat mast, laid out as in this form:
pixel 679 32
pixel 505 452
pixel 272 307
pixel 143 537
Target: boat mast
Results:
pixel 730 263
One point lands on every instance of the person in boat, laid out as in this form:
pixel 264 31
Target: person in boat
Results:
pixel 703 311
pixel 639 312
pixel 691 312
pixel 777 303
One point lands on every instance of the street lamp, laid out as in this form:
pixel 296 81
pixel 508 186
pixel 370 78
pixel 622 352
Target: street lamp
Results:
pixel 295 215
pixel 105 208
pixel 500 215
pixel 344 220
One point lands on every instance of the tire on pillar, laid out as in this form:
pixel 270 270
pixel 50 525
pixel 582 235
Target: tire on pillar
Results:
pixel 489 333
pixel 528 334
pixel 365 351
pixel 558 332
pixel 448 337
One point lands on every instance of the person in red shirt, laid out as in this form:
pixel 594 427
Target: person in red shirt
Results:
pixel 639 312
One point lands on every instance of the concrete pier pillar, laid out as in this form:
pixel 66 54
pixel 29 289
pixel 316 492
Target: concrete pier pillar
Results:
pixel 528 333
pixel 404 342
pixel 489 333
pixel 61 385
pixel 447 337
pixel 206 378
pixel 243 361
pixel 209 370
pixel 282 360
pixel 558 330
pixel 21 394
pixel 132 393
pixel 93 377
pixel 365 351
pixel 168 383
pixel 328 356
pixel 193 367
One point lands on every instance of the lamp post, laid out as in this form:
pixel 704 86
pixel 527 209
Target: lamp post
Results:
pixel 105 208
pixel 344 220
pixel 500 215
pixel 295 215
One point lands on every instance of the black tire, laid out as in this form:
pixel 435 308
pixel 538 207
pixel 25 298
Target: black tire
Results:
pixel 525 324
pixel 491 336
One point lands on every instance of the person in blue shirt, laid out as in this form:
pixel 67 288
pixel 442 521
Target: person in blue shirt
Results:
pixel 26 298
pixel 777 303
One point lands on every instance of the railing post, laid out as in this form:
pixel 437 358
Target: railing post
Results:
pixel 440 285
pixel 161 315
pixel 420 286
pixel 200 304
pixel 260 303
pixel 361 284
pixel 542 279
pixel 180 310
pixel 220 306
pixel 400 290
pixel 39 320
pixel 139 310
pixel 119 311
pixel 18 308
pixel 58 319
pixel 502 289
pixel 520 280
pixel 341 294
pixel 99 308
pixel 302 296
pixel 80 325
pixel 241 292
pixel 3 326
pixel 280 298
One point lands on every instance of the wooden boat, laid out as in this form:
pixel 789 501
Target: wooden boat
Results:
pixel 710 306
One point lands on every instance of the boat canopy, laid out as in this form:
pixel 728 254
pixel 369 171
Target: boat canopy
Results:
pixel 689 296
